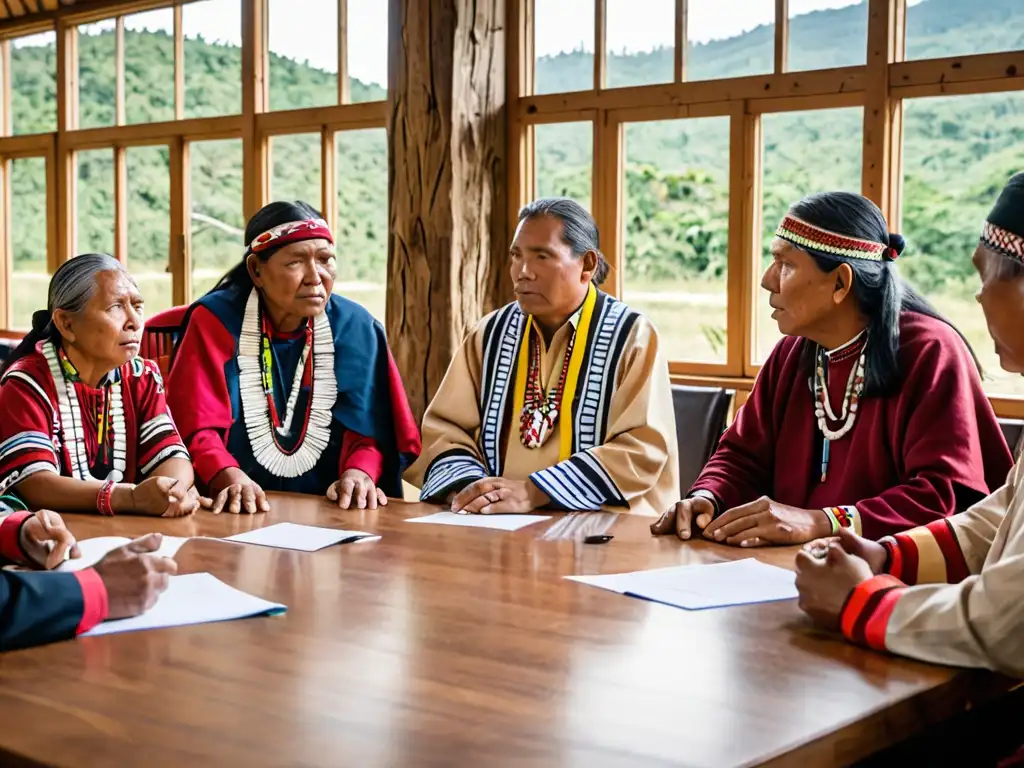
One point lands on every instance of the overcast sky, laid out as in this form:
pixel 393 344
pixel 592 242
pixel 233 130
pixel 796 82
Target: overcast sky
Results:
pixel 307 29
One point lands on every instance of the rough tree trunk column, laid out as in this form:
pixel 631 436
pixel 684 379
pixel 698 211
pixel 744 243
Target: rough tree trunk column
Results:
pixel 446 139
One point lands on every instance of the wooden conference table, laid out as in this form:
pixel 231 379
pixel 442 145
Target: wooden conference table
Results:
pixel 440 645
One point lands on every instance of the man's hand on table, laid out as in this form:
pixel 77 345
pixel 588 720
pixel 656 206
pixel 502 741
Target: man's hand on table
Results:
pixel 498 496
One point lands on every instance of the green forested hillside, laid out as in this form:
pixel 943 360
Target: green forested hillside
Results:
pixel 958 151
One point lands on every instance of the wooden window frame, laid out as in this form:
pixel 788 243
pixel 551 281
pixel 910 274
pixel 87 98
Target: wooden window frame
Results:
pixel 254 125
pixel 879 86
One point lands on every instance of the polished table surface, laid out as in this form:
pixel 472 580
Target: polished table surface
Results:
pixel 440 645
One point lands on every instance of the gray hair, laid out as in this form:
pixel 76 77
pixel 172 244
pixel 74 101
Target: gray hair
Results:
pixel 579 230
pixel 71 288
pixel 74 283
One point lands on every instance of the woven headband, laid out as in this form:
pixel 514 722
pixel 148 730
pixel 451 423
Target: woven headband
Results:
pixel 806 235
pixel 1002 241
pixel 291 232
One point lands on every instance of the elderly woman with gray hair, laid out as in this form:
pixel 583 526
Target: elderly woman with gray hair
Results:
pixel 86 425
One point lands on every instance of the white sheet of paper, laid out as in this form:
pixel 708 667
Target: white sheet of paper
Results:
pixel 93 550
pixel 304 538
pixel 695 587
pixel 497 522
pixel 196 598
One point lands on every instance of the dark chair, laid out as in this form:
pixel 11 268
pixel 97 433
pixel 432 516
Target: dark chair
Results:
pixel 160 335
pixel 701 414
pixel 1013 431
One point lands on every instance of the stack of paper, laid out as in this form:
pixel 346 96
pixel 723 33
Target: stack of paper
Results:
pixel 196 598
pixel 304 538
pixel 695 587
pixel 497 522
pixel 93 550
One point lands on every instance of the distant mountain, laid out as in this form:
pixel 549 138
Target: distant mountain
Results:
pixel 959 151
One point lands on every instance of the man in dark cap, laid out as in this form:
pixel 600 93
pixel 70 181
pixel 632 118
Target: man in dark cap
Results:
pixel 948 592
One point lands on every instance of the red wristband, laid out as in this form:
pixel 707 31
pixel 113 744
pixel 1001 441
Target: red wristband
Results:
pixel 103 498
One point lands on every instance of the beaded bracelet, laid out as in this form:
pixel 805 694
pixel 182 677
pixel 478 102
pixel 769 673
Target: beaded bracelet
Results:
pixel 833 519
pixel 103 498
pixel 841 517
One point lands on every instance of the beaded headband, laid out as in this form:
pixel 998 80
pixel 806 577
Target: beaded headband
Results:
pixel 806 235
pixel 291 232
pixel 1002 241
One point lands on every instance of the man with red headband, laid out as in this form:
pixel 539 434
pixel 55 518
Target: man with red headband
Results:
pixel 280 384
pixel 869 415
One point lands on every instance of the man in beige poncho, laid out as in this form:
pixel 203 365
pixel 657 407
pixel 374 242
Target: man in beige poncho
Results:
pixel 560 399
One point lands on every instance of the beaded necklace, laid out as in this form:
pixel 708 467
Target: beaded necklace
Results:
pixel 110 431
pixel 256 386
pixel 823 408
pixel 540 409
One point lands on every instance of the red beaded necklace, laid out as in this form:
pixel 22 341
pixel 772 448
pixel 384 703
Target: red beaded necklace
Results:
pixel 540 408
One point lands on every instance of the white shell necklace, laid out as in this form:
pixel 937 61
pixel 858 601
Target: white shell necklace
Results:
pixel 851 399
pixel 70 419
pixel 256 407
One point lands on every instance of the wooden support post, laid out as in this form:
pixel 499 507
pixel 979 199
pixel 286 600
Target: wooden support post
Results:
pixel 119 70
pixel 6 124
pixel 181 207
pixel 606 193
pixel 121 204
pixel 65 175
pixel 328 177
pixel 446 180
pixel 745 159
pixel 255 155
pixel 682 33
pixel 344 89
pixel 600 45
pixel 883 115
pixel 781 35
pixel 179 64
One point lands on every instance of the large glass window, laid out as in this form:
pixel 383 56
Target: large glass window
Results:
pixel 958 152
pixel 97 75
pixel 361 231
pixel 939 28
pixel 303 53
pixel 34 83
pixel 28 239
pixel 676 201
pixel 564 161
pixel 367 50
pixel 95 214
pixel 563 34
pixel 149 66
pixel 149 224
pixel 794 144
pixel 640 47
pixel 215 221
pixel 213 57
pixel 295 169
pixel 730 38
pixel 827 33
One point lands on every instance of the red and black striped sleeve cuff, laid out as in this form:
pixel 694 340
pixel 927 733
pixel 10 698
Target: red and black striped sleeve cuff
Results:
pixel 930 554
pixel 95 602
pixel 10 537
pixel 865 616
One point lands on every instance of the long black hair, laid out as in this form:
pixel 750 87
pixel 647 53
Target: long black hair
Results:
pixel 269 216
pixel 881 294
pixel 579 230
pixel 71 288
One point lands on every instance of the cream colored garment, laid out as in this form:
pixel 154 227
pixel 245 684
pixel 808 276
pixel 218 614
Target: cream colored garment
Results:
pixel 639 453
pixel 978 622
